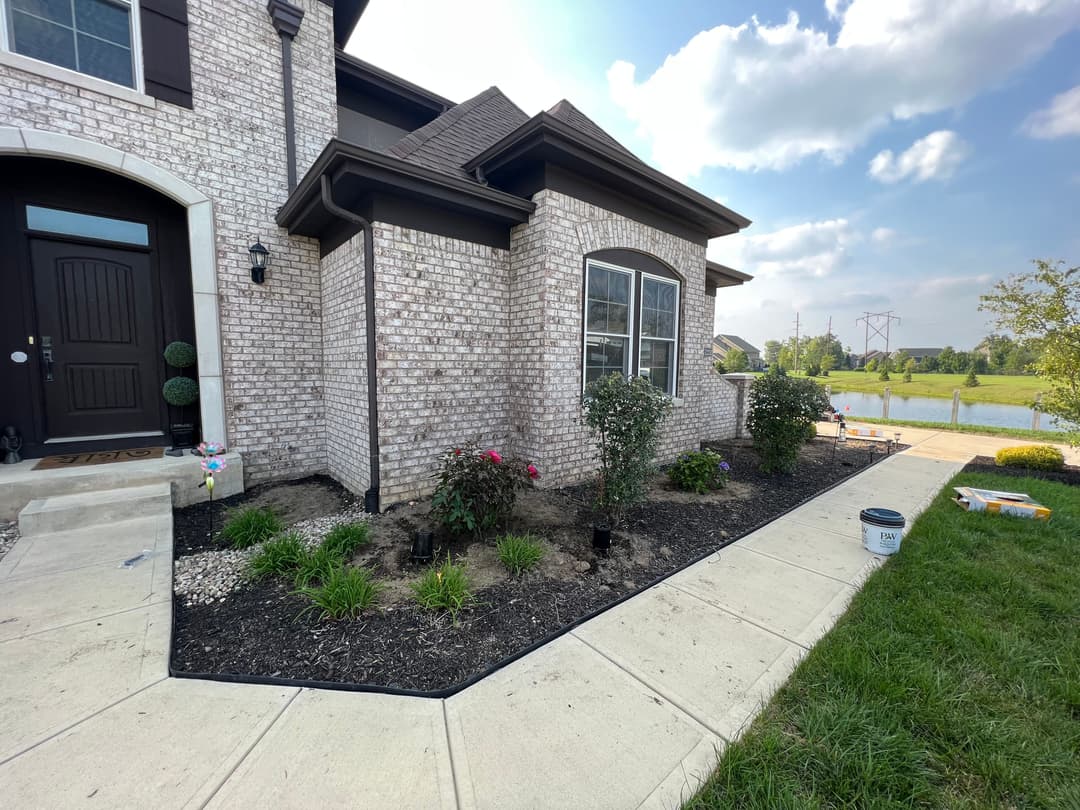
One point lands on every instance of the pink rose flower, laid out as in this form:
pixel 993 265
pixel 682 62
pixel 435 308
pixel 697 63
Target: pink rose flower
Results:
pixel 533 472
pixel 495 457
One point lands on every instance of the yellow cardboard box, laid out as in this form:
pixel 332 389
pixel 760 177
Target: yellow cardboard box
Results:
pixel 1000 503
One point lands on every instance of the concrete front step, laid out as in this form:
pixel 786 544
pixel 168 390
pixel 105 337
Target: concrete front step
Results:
pixel 64 512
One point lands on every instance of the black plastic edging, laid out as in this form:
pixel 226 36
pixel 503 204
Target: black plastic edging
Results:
pixel 449 691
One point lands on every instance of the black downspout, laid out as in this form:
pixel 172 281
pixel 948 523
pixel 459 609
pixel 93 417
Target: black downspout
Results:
pixel 286 19
pixel 371 497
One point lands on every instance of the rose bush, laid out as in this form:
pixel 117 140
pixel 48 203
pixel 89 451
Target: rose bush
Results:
pixel 476 490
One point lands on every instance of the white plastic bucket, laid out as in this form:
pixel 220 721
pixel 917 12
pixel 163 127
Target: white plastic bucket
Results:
pixel 882 530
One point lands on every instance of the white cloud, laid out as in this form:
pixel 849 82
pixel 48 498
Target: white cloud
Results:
pixel 934 157
pixel 883 235
pixel 936 286
pixel 809 249
pixel 758 96
pixel 1060 119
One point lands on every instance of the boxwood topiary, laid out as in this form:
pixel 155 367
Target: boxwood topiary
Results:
pixel 180 391
pixel 179 354
pixel 1032 457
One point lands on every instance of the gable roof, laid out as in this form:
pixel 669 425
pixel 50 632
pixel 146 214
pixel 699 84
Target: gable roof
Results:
pixel 569 114
pixel 465 130
pixel 920 352
pixel 735 340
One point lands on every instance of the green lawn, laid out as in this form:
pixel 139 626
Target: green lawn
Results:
pixel 979 430
pixel 1007 390
pixel 953 680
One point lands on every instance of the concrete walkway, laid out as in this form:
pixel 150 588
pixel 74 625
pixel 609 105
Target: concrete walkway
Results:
pixel 629 710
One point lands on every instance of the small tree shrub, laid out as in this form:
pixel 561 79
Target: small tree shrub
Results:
pixel 519 552
pixel 625 416
pixel 345 538
pixel 700 471
pixel 1031 457
pixel 871 365
pixel 444 587
pixel 476 490
pixel 884 375
pixel 179 354
pixel 280 556
pixel 180 391
pixel 343 594
pixel 248 527
pixel 781 417
pixel 971 381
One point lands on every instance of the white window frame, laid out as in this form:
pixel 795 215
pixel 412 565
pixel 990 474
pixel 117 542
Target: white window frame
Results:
pixel 633 360
pixel 138 85
pixel 675 340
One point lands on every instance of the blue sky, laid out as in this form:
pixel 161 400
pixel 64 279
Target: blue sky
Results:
pixel 897 155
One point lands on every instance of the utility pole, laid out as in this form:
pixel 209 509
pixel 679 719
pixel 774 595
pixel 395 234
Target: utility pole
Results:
pixel 796 342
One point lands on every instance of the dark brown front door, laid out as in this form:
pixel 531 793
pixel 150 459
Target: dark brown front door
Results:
pixel 98 338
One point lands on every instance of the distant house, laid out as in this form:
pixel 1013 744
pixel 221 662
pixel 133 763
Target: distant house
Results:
pixel 918 355
pixel 722 344
pixel 873 354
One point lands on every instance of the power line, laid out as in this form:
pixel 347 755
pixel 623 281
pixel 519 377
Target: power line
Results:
pixel 880 323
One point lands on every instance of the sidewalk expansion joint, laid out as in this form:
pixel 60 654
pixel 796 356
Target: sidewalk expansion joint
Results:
pixel 740 616
pixel 143 605
pixel 795 564
pixel 450 753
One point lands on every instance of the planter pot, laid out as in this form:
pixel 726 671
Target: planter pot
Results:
pixel 182 436
pixel 601 537
pixel 422 547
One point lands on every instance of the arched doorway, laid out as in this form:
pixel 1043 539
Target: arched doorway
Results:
pixel 97 280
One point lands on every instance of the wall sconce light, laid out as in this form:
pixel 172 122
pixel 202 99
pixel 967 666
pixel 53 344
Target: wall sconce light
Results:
pixel 259 256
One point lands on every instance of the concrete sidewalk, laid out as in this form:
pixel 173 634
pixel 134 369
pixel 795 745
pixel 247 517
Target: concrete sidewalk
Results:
pixel 628 710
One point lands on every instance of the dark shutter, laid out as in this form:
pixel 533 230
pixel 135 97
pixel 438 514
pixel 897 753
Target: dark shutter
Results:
pixel 166 55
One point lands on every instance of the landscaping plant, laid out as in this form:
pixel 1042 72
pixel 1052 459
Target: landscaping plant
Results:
pixel 279 556
pixel 345 538
pixel 315 565
pixel 781 417
pixel 343 594
pixel 625 415
pixel 700 471
pixel 476 490
pixel 248 527
pixel 519 552
pixel 444 587
pixel 1031 457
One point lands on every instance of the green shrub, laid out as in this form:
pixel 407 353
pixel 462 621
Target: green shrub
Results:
pixel 343 594
pixel 476 490
pixel 251 526
pixel 315 566
pixel 519 552
pixel 1032 457
pixel 884 375
pixel 971 380
pixel 180 391
pixel 179 354
pixel 279 556
pixel 625 416
pixel 345 538
pixel 781 417
pixel 700 471
pixel 445 587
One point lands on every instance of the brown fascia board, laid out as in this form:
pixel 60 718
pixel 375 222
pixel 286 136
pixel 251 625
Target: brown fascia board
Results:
pixel 546 130
pixel 726 276
pixel 346 14
pixel 367 73
pixel 340 158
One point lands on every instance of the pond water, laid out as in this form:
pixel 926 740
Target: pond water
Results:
pixel 928 409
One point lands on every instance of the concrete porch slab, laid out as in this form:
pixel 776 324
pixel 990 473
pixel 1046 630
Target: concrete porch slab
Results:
pixel 345 749
pixel 171 745
pixel 78 670
pixel 792 602
pixel 565 728
pixel 711 664
pixel 62 513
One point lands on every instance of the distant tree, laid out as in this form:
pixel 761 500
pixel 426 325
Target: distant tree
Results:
pixel 718 364
pixel 828 362
pixel 929 365
pixel 971 381
pixel 909 369
pixel 736 361
pixel 884 375
pixel 1044 305
pixel 785 359
pixel 899 360
pixel 946 360
pixel 772 352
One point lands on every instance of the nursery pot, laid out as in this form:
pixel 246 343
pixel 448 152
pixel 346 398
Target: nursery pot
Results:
pixel 421 547
pixel 182 435
pixel 601 536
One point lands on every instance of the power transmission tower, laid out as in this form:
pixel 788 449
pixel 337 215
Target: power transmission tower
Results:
pixel 880 324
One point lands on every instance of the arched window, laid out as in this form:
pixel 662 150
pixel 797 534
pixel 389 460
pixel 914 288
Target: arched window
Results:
pixel 631 318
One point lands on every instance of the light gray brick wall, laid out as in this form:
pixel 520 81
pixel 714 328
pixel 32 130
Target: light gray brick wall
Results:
pixel 443 349
pixel 231 147
pixel 344 333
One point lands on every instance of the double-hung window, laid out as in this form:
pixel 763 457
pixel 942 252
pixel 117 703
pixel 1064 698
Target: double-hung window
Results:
pixel 631 324
pixel 95 37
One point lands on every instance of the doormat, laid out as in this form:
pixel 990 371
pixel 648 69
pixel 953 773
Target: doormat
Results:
pixel 105 457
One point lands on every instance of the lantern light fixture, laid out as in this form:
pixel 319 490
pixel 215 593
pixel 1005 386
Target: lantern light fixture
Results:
pixel 259 259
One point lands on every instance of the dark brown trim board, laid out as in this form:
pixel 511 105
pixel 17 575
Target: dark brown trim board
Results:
pixel 719 275
pixel 346 14
pixel 363 76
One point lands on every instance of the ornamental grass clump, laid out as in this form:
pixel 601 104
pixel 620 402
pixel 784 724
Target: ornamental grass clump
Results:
pixel 280 556
pixel 444 587
pixel 1032 457
pixel 519 552
pixel 345 538
pixel 315 566
pixel 625 415
pixel 781 417
pixel 700 471
pixel 343 594
pixel 248 527
pixel 476 490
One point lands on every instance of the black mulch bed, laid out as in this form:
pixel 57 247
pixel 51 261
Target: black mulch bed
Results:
pixel 1069 475
pixel 259 631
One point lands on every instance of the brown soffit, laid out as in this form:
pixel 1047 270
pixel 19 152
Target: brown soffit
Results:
pixel 718 275
pixel 346 14
pixel 545 137
pixel 366 74
pixel 383 173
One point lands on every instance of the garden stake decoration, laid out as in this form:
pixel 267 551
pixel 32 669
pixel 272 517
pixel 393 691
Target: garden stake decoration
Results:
pixel 213 462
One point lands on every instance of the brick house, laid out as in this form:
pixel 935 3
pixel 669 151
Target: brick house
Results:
pixel 437 271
